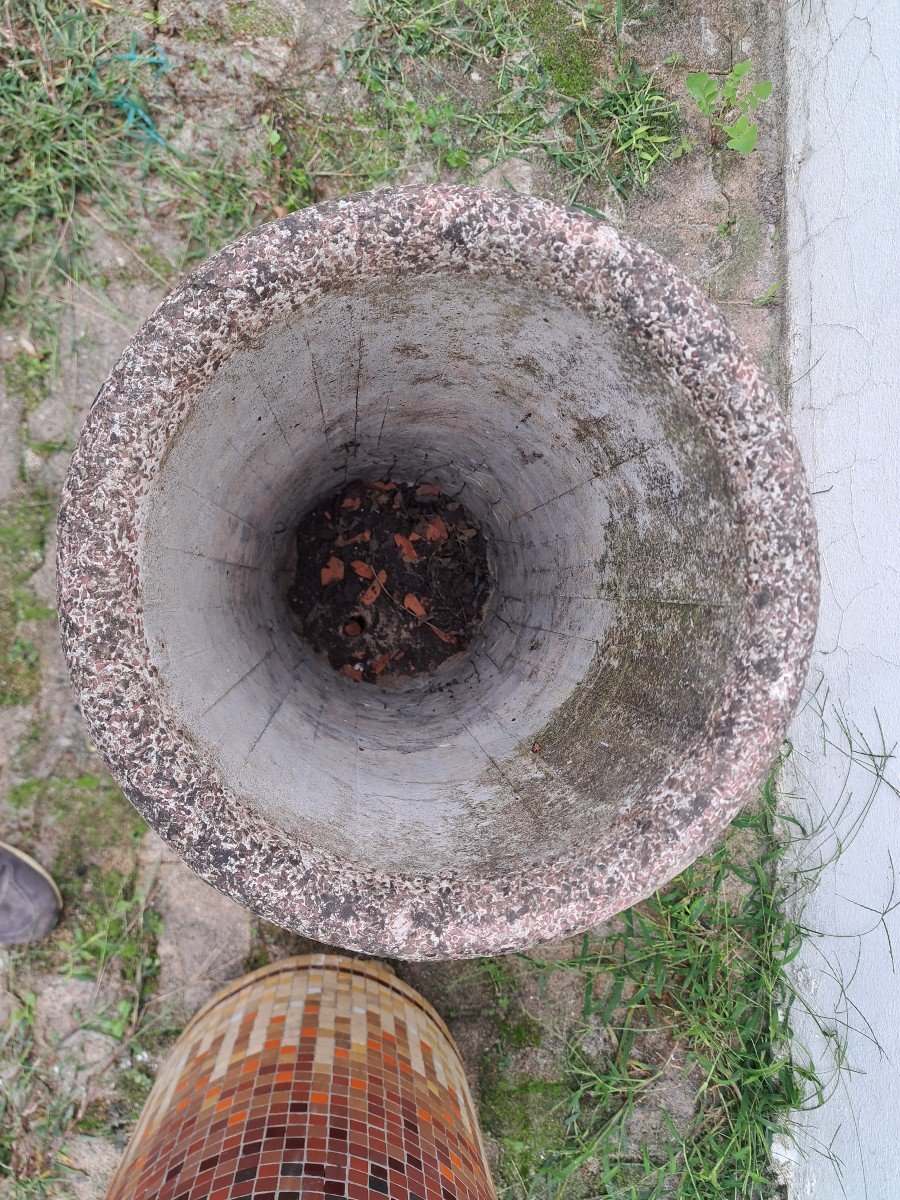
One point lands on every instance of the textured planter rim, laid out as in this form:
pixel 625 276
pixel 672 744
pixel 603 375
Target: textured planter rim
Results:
pixel 227 304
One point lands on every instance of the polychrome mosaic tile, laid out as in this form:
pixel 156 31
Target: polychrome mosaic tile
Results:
pixel 314 1076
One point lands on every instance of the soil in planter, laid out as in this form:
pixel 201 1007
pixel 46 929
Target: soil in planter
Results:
pixel 391 579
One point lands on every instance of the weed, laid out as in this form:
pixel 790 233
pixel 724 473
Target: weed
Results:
pixel 70 111
pixel 114 923
pixel 516 1029
pixel 23 754
pixel 79 124
pixel 626 132
pixel 115 926
pixel 82 123
pixel 313 156
pixel 692 982
pixel 770 296
pixel 693 985
pixel 97 818
pixel 99 826
pixel 268 943
pixel 35 1110
pixel 731 97
pixel 619 15
pixel 21 794
pixel 503 982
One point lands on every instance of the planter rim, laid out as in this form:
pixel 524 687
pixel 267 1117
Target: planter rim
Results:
pixel 226 305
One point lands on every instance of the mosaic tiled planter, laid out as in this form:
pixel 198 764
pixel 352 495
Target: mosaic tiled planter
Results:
pixel 315 1076
pixel 650 534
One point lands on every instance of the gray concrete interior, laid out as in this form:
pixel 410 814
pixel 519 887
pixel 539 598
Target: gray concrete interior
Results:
pixel 615 544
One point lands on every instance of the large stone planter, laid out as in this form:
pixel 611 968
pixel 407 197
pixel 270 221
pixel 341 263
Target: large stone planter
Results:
pixel 651 539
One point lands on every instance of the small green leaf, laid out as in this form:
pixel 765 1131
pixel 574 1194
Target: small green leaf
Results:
pixel 733 82
pixel 769 296
pixel 742 135
pixel 702 87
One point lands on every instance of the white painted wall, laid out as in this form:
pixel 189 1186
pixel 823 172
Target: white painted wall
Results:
pixel 843 178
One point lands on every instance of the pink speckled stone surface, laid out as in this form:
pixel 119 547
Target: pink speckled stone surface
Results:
pixel 227 306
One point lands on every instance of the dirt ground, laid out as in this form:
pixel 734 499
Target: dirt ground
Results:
pixel 717 217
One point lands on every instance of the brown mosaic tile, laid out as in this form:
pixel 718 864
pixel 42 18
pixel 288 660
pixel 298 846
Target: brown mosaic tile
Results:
pixel 375 1105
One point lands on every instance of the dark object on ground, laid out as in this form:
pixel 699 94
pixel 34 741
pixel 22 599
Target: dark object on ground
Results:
pixel 391 579
pixel 30 902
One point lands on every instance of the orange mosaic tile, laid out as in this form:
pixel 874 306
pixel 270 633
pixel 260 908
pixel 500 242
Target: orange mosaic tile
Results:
pixel 320 1076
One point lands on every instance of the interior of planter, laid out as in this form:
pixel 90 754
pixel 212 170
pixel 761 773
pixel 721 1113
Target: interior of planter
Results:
pixel 615 546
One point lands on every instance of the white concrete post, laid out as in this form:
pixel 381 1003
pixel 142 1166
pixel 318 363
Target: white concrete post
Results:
pixel 843 181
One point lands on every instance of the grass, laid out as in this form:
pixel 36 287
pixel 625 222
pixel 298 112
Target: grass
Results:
pixel 29 1143
pixel 696 985
pixel 114 929
pixel 81 148
pixel 69 118
pixel 551 90
pixel 702 966
pixel 23 530
pixel 629 129
pixel 88 135
pixel 692 991
pixel 107 942
pixel 27 374
pixel 98 822
pixel 109 939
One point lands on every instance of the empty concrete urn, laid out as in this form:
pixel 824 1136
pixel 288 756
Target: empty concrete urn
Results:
pixel 650 539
